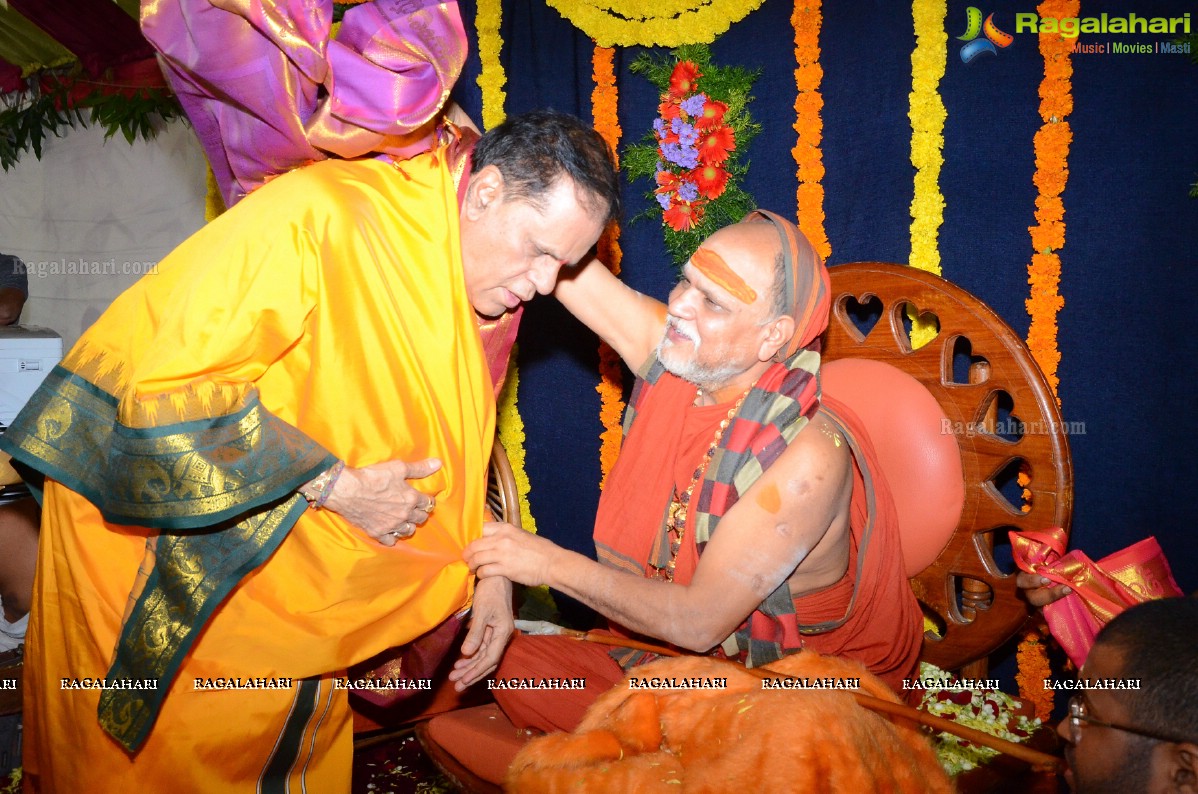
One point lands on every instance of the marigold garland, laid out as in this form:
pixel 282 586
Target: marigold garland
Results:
pixel 927 116
pixel 807 21
pixel 1034 669
pixel 665 23
pixel 605 109
pixel 1051 145
pixel 508 420
pixel 492 77
pixel 511 435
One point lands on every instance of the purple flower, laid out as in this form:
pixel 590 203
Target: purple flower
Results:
pixel 659 126
pixel 694 105
pixel 681 156
pixel 688 191
pixel 686 132
pixel 664 200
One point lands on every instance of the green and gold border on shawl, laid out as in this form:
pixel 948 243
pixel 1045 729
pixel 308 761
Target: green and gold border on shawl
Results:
pixel 194 474
pixel 63 432
pixel 193 575
pixel 185 475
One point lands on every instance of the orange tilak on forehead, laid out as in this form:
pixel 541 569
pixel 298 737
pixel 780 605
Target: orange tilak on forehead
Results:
pixel 712 265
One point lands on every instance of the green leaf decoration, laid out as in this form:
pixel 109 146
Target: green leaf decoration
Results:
pixel 29 117
pixel 686 222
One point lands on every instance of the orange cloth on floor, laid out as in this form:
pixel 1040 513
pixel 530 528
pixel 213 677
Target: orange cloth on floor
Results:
pixel 536 657
pixel 741 737
pixel 334 293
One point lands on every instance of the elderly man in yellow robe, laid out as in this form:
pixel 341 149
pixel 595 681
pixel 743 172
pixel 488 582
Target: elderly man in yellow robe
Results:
pixel 262 463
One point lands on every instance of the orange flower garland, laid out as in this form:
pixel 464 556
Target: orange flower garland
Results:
pixel 1052 172
pixel 1032 659
pixel 611 382
pixel 807 20
pixel 1051 146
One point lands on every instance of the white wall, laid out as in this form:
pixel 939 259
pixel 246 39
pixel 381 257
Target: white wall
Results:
pixel 92 215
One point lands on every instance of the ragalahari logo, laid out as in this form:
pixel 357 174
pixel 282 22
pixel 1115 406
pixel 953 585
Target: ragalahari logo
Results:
pixel 991 36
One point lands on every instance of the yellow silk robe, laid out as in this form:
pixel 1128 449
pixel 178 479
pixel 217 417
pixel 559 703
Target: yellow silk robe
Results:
pixel 324 316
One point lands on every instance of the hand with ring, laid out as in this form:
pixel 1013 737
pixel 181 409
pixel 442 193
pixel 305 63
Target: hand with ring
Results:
pixel 381 501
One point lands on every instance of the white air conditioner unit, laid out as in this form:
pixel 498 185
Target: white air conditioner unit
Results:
pixel 27 354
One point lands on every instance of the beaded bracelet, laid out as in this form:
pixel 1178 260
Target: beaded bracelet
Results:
pixel 318 489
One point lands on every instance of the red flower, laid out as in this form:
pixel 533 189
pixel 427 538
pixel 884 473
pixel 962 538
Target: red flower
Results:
pixel 714 145
pixel 684 78
pixel 668 182
pixel 669 109
pixel 682 215
pixel 712 116
pixel 710 179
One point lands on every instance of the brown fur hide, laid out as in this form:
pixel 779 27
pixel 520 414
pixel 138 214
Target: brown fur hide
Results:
pixel 739 738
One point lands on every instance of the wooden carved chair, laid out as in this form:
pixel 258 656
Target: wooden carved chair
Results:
pixel 954 422
pixel 999 414
pixel 503 500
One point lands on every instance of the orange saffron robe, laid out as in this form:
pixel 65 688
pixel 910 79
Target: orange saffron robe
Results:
pixel 334 297
pixel 884 629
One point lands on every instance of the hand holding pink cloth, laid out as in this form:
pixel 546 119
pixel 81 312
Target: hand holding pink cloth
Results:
pixel 1101 590
pixel 269 87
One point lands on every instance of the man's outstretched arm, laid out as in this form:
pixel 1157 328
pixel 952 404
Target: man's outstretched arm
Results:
pixel 760 542
pixel 630 322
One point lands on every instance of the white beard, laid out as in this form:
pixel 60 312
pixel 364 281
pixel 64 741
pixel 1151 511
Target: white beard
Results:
pixel 708 377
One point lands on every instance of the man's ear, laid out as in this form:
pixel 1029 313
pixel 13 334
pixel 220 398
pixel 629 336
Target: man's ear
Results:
pixel 1181 762
pixel 485 188
pixel 778 334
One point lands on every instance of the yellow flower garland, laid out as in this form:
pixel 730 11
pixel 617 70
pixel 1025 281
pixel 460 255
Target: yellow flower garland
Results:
pixel 511 435
pixel 807 20
pixel 666 23
pixel 492 78
pixel 927 116
pixel 605 110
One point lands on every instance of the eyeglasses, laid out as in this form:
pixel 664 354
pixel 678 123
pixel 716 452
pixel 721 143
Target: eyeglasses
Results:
pixel 1078 715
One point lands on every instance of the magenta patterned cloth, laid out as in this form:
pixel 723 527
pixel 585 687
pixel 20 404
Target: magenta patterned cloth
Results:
pixel 270 87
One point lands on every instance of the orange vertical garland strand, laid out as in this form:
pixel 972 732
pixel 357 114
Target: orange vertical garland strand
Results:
pixel 611 382
pixel 1051 146
pixel 807 21
pixel 1052 152
pixel 1034 670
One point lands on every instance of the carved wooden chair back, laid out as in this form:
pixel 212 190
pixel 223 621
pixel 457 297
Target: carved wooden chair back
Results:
pixel 999 409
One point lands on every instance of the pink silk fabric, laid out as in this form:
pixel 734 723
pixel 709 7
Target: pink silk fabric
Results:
pixel 1101 590
pixel 269 88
